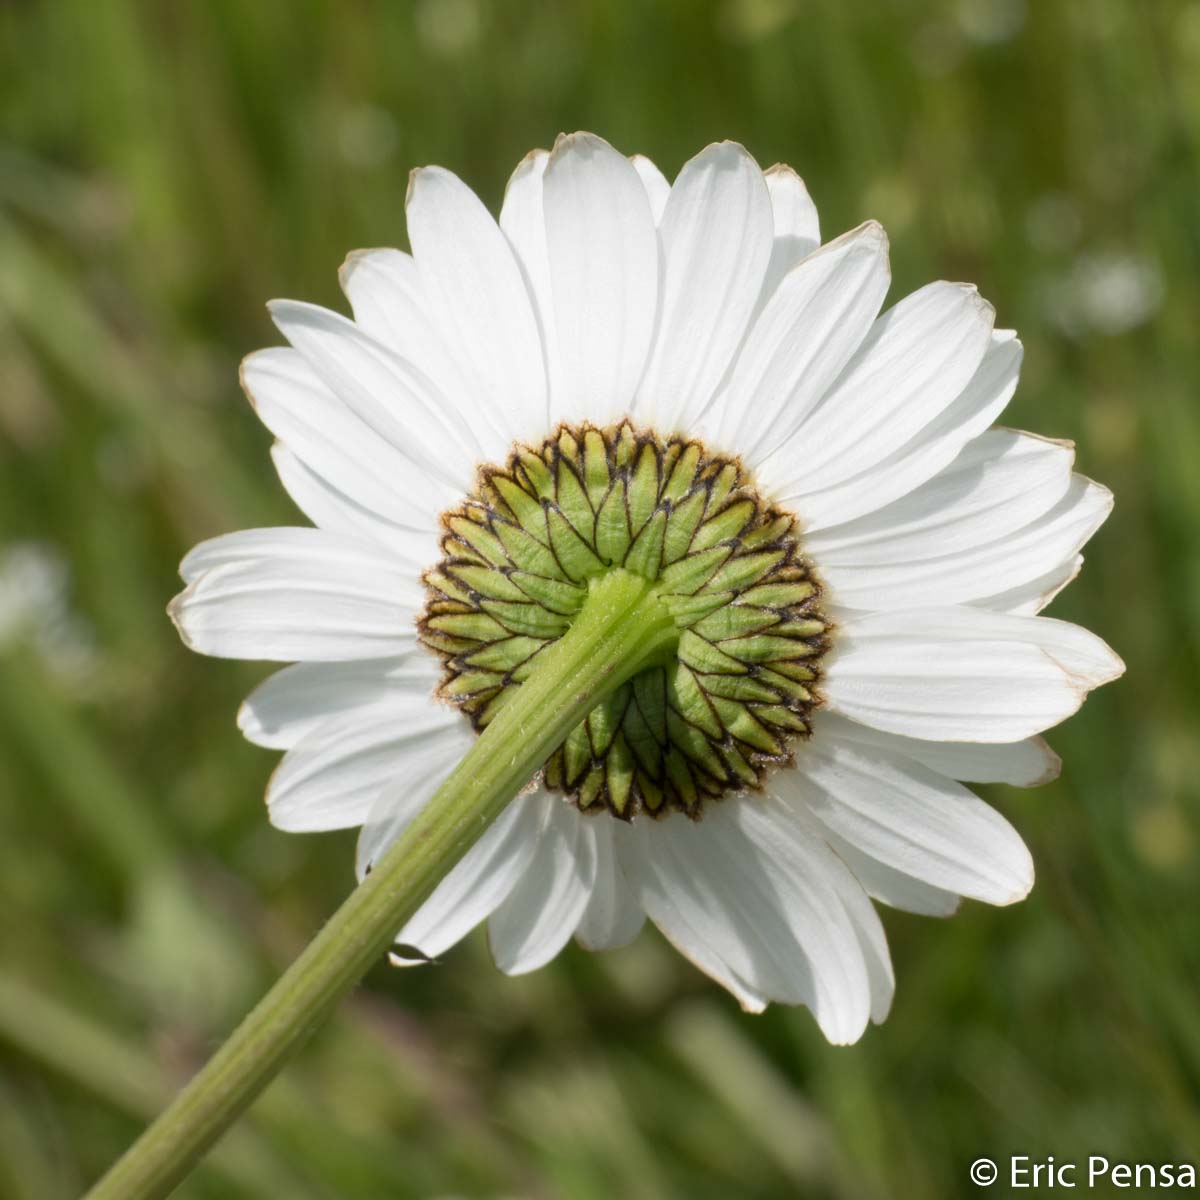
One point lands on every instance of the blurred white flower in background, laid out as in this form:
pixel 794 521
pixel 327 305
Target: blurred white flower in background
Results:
pixel 1106 292
pixel 35 609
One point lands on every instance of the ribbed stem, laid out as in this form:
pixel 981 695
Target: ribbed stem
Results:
pixel 621 629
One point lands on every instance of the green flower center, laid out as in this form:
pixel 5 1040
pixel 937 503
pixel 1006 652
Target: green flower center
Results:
pixel 520 554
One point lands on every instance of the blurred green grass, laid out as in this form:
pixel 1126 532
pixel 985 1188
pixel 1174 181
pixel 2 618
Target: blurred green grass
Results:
pixel 166 168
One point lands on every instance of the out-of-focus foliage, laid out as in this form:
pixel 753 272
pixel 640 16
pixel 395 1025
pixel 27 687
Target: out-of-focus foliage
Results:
pixel 167 167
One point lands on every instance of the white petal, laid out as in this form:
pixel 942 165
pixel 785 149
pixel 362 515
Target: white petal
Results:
pixel 977 406
pixel 603 253
pixel 395 805
pixel 385 291
pixel 613 916
pixel 762 902
pixel 892 887
pixel 1028 599
pixel 854 975
pixel 963 674
pixel 387 393
pixel 799 344
pixel 872 941
pixel 331 778
pixel 523 222
pixel 1000 481
pixel 658 190
pixel 541 913
pixel 1028 763
pixel 990 515
pixel 323 505
pixel 284 541
pixel 1044 549
pixel 797 228
pixel 334 511
pixel 246 545
pixel 916 360
pixel 479 299
pixel 290 704
pixel 682 924
pixel 911 819
pixel 479 883
pixel 321 431
pixel 716 238
pixel 304 596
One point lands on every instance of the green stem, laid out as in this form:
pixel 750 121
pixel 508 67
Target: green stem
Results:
pixel 621 629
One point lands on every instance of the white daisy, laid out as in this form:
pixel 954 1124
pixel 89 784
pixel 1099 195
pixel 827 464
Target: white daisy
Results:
pixel 677 381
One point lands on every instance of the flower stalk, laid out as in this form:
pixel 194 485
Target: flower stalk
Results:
pixel 622 628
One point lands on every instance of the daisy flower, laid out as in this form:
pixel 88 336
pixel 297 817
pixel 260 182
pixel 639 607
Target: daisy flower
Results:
pixel 678 382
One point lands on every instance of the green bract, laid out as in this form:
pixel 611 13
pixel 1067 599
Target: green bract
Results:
pixel 521 554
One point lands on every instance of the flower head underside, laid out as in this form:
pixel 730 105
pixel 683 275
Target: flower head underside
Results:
pixel 519 556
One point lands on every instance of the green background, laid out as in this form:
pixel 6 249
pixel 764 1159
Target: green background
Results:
pixel 168 167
